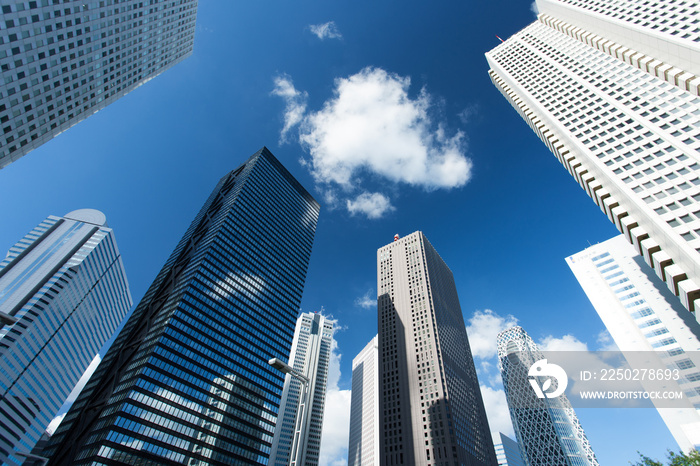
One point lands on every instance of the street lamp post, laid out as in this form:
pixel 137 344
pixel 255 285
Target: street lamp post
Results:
pixel 297 453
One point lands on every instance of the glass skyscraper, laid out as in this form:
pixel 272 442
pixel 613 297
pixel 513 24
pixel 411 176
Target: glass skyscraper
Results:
pixel 547 429
pixel 63 61
pixel 430 405
pixel 310 356
pixel 63 292
pixel 187 381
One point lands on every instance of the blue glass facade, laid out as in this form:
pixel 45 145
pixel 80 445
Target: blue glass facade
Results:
pixel 187 380
pixel 63 292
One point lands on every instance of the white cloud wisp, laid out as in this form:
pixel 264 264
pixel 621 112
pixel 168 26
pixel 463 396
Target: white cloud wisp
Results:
pixel 295 104
pixel 326 30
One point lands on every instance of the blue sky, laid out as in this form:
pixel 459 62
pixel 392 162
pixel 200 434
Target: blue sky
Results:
pixel 387 115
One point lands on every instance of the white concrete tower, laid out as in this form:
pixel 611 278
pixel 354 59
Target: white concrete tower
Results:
pixel 641 314
pixel 310 356
pixel 612 89
pixel 363 443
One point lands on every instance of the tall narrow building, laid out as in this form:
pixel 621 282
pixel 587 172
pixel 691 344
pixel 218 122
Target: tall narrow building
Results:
pixel 430 406
pixel 641 314
pixel 63 61
pixel 612 89
pixel 547 429
pixel 63 292
pixel 310 356
pixel 363 441
pixel 187 380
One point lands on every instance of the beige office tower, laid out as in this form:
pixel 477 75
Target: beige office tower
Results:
pixel 363 442
pixel 641 314
pixel 611 88
pixel 430 406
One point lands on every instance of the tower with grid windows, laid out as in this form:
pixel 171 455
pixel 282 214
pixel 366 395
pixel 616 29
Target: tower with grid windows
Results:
pixel 63 61
pixel 612 89
pixel 187 380
pixel 547 429
pixel 430 406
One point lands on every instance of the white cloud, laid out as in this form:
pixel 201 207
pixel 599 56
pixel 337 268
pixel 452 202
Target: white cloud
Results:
pixel 295 103
pixel 367 300
pixel 534 8
pixel 326 30
pixel 371 129
pixel 469 113
pixel 371 124
pixel 372 205
pixel 606 342
pixel 565 343
pixel 497 410
pixel 336 416
pixel 483 328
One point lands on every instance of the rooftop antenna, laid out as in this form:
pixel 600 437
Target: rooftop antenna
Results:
pixel 499 38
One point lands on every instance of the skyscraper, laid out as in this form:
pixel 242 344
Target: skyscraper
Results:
pixel 430 405
pixel 612 89
pixel 547 429
pixel 507 451
pixel 62 62
pixel 363 442
pixel 310 356
pixel 63 292
pixel 642 314
pixel 187 380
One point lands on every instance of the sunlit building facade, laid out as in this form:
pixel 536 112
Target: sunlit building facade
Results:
pixel 430 406
pixel 187 380
pixel 612 89
pixel 310 356
pixel 63 61
pixel 63 292
pixel 547 429
pixel 642 314
pixel 363 441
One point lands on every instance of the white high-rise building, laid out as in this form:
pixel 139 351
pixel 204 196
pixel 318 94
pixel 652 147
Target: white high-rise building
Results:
pixel 310 356
pixel 363 444
pixel 612 89
pixel 63 292
pixel 641 314
pixel 430 405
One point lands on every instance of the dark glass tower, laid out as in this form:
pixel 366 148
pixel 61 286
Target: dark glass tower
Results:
pixel 187 380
